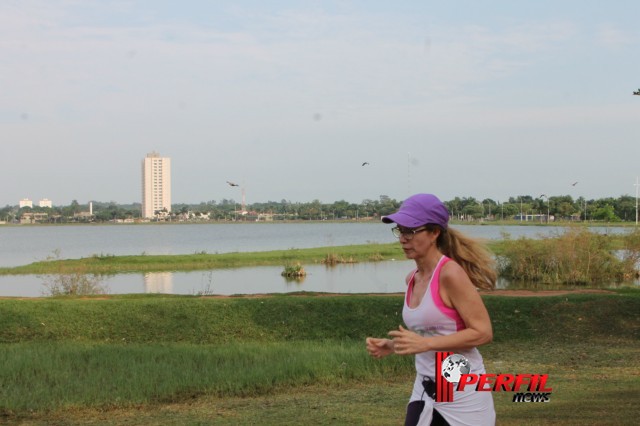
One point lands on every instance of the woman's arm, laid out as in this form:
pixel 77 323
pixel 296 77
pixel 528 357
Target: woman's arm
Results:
pixel 379 348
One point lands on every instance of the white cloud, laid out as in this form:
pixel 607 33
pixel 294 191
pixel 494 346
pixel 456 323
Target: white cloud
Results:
pixel 613 37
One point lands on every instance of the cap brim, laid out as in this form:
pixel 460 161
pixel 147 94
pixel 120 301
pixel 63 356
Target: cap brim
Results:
pixel 402 219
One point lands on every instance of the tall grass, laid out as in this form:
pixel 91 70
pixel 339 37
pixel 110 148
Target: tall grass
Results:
pixel 332 259
pixel 578 257
pixel 58 375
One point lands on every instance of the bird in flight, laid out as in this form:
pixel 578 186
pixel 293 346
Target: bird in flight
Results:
pixel 637 93
pixel 232 184
pixel 365 163
pixel 574 183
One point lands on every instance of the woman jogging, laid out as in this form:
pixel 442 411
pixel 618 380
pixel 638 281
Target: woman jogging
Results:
pixel 442 311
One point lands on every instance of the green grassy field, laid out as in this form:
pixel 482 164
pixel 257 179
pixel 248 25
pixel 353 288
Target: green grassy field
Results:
pixel 295 359
pixel 109 264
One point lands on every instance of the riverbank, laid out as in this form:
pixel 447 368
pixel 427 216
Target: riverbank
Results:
pixel 108 264
pixel 111 264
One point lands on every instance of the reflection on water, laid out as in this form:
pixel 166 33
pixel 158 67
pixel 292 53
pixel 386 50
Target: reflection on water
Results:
pixel 295 280
pixel 158 282
pixel 379 277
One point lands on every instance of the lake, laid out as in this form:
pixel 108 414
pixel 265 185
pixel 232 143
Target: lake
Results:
pixel 25 244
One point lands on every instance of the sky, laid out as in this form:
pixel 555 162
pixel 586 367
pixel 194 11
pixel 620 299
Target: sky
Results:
pixel 288 99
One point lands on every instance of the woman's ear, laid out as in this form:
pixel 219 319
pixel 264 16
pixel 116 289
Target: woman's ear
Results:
pixel 436 231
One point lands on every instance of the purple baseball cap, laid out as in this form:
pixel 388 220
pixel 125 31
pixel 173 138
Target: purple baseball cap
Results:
pixel 418 210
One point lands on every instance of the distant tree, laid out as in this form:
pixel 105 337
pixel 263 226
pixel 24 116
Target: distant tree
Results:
pixel 455 207
pixel 509 210
pixel 341 209
pixel 564 209
pixel 625 208
pixel 474 211
pixel 605 213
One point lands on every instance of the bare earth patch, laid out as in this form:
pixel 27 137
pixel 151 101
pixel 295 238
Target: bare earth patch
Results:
pixel 514 293
pixel 534 293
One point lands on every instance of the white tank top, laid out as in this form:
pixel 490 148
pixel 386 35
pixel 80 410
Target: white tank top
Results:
pixel 433 318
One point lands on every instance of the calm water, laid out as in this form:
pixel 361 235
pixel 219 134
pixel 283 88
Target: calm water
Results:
pixel 26 244
pixel 381 277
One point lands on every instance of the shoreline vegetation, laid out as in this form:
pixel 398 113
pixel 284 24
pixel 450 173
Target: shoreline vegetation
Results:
pixel 577 256
pixel 454 222
pixel 110 264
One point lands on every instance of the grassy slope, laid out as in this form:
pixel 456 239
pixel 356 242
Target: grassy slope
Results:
pixel 201 320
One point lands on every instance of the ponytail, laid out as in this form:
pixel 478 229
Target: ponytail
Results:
pixel 474 257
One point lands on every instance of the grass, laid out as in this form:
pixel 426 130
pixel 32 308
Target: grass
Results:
pixel 203 320
pixel 276 360
pixel 109 264
pixel 594 383
pixel 62 374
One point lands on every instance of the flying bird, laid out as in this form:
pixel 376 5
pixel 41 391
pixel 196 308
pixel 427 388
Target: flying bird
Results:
pixel 574 183
pixel 637 93
pixel 365 163
pixel 232 184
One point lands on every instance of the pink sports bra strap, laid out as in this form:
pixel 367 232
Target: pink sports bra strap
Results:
pixel 437 300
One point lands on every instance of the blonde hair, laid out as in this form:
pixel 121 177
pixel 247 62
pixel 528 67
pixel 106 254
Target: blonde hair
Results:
pixel 474 256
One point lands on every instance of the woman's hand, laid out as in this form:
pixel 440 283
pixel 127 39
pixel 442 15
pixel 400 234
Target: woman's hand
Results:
pixel 407 342
pixel 379 348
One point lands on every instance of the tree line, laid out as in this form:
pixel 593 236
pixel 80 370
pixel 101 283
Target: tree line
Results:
pixel 522 207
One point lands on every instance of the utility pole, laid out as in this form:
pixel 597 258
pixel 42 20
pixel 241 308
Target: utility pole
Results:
pixel 637 185
pixel 545 196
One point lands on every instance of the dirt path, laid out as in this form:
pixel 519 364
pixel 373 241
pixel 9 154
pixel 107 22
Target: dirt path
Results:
pixel 540 293
pixel 513 293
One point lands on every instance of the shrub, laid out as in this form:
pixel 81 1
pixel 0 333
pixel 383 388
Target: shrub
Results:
pixel 293 271
pixel 74 284
pixel 332 259
pixel 579 256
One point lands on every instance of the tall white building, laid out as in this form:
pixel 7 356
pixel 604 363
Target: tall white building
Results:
pixel 25 202
pixel 156 184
